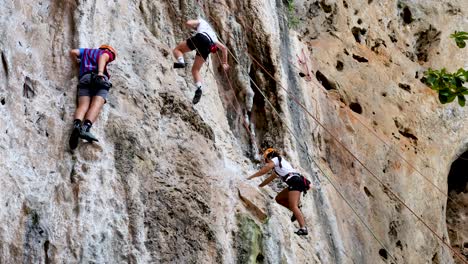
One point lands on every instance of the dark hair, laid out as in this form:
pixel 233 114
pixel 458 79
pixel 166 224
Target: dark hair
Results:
pixel 275 154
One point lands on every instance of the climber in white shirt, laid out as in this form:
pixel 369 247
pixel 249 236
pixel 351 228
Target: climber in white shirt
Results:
pixel 204 42
pixel 290 196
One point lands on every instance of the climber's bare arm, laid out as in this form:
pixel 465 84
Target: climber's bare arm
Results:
pixel 268 180
pixel 268 167
pixel 74 54
pixel 225 54
pixel 192 24
pixel 103 59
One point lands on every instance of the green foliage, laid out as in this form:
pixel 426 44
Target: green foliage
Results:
pixel 290 6
pixel 460 37
pixel 293 20
pixel 448 85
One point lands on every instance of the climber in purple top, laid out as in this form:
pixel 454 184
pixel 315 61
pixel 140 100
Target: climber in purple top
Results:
pixel 93 88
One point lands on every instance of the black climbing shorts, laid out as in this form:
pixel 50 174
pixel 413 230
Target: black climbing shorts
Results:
pixel 92 85
pixel 201 43
pixel 298 183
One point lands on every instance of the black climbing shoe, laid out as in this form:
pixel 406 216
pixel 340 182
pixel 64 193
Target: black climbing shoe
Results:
pixel 86 135
pixel 302 232
pixel 75 135
pixel 179 65
pixel 197 96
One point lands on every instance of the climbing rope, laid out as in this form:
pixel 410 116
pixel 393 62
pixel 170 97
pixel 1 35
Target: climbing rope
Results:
pixel 392 149
pixel 357 159
pixel 385 186
pixel 319 167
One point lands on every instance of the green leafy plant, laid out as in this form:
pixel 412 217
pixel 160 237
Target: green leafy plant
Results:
pixel 460 37
pixel 450 85
pixel 293 21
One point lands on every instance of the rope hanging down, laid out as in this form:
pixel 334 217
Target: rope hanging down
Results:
pixel 321 170
pixel 391 147
pixel 360 162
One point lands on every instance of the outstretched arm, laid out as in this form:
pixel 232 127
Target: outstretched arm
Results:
pixel 268 167
pixel 103 59
pixel 192 24
pixel 225 55
pixel 268 180
pixel 75 54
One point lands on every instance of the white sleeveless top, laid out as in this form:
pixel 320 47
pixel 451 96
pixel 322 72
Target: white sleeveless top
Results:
pixel 204 27
pixel 286 168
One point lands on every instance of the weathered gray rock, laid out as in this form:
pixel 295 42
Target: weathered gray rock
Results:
pixel 163 183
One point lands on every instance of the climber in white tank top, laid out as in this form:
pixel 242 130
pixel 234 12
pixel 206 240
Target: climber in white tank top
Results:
pixel 204 42
pixel 283 170
pixel 290 196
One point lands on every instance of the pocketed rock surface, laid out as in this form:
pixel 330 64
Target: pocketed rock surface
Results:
pixel 166 181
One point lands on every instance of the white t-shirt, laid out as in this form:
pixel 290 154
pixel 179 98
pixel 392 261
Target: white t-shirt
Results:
pixel 204 27
pixel 286 167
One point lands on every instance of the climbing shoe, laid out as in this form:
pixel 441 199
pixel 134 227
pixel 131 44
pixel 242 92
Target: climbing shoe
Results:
pixel 198 94
pixel 179 65
pixel 75 135
pixel 86 135
pixel 302 232
pixel 293 218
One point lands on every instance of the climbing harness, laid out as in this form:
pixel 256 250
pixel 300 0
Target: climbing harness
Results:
pixel 213 47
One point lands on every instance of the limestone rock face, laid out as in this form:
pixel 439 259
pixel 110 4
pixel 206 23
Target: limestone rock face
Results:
pixel 166 181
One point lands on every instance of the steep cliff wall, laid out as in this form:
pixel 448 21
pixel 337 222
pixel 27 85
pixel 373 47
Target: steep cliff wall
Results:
pixel 165 184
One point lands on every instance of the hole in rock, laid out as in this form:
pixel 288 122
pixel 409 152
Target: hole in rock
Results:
pixel 359 58
pixel 406 15
pixel 405 131
pixel 260 258
pixel 399 245
pixel 359 21
pixel 405 87
pixel 457 205
pixel 435 259
pixel 4 64
pixel 407 134
pixel 383 253
pixel 2 101
pixel 28 89
pixel 357 34
pixel 368 193
pixel 426 41
pixel 339 65
pixel 345 4
pixel 46 250
pixel 326 8
pixel 393 38
pixel 324 81
pixel 356 107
